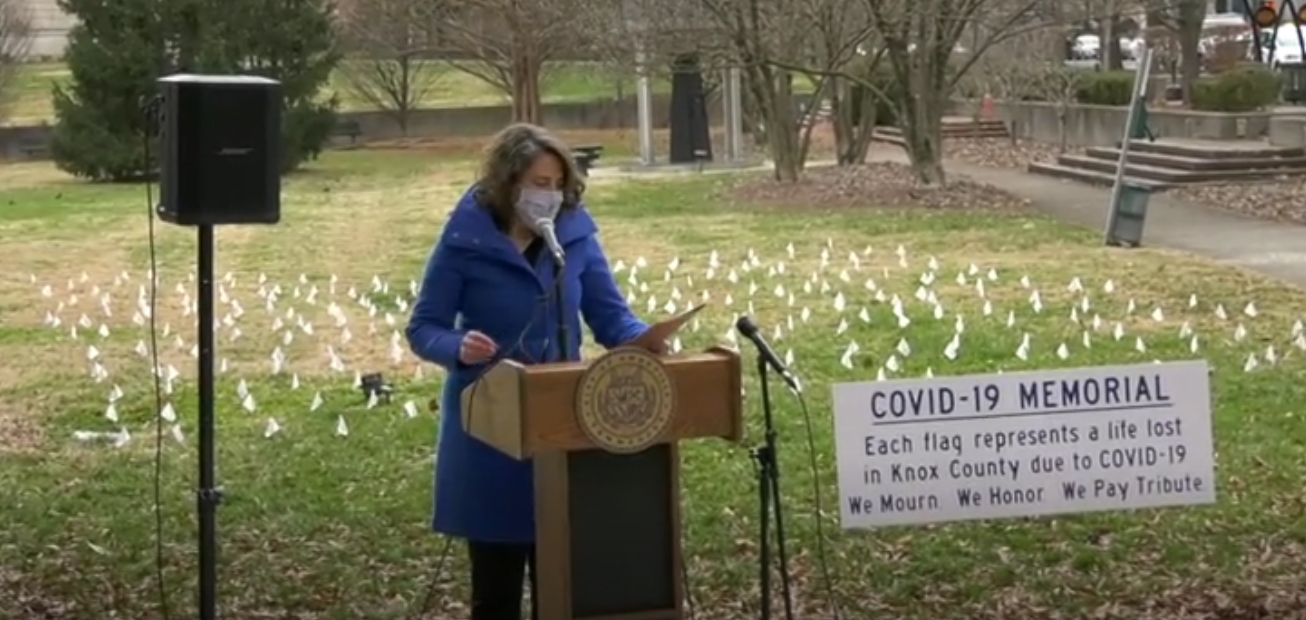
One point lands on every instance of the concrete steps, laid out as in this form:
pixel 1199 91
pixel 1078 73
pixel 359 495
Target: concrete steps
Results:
pixel 1167 163
pixel 953 127
pixel 1089 176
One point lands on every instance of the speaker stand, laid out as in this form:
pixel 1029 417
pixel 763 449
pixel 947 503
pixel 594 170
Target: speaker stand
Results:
pixel 209 494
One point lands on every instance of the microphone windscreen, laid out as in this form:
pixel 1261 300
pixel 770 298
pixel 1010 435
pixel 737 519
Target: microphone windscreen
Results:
pixel 746 326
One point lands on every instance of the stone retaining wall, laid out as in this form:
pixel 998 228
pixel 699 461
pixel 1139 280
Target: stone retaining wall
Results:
pixel 31 142
pixel 1289 131
pixel 1095 125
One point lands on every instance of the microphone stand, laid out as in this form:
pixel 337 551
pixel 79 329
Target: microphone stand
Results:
pixel 768 495
pixel 560 304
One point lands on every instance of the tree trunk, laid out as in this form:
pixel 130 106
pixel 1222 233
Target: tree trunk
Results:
pixel 1108 51
pixel 405 101
pixel 853 111
pixel 1191 15
pixel 922 122
pixel 782 129
pixel 925 147
pixel 753 117
pixel 1190 70
pixel 843 117
pixel 1062 130
pixel 526 104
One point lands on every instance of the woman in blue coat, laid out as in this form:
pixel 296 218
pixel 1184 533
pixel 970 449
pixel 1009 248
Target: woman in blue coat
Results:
pixel 488 295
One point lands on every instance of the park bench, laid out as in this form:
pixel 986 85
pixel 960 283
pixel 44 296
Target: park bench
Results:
pixel 585 157
pixel 34 149
pixel 347 129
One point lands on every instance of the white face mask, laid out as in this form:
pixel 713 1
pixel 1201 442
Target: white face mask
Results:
pixel 535 204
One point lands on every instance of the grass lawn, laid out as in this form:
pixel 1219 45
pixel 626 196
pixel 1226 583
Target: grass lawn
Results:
pixel 320 524
pixel 564 82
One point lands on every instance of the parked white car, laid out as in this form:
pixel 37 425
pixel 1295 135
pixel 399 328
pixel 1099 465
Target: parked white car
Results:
pixel 1086 52
pixel 1286 48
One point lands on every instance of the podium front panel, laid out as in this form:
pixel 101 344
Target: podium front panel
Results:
pixel 608 545
pixel 622 532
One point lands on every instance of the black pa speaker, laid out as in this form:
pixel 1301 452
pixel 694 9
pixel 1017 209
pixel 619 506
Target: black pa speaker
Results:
pixel 220 150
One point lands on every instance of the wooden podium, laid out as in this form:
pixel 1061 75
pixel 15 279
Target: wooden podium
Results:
pixel 607 524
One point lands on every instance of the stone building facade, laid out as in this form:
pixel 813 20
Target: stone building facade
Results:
pixel 50 27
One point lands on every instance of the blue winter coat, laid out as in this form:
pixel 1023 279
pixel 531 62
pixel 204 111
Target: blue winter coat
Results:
pixel 477 280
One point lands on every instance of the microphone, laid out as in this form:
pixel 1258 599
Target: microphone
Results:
pixel 748 329
pixel 549 233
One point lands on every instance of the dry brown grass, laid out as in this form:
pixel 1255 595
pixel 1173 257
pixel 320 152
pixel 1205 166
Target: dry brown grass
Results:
pixel 20 432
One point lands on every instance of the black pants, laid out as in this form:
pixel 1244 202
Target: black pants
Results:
pixel 498 572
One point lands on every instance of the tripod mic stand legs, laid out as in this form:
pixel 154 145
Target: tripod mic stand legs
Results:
pixel 768 493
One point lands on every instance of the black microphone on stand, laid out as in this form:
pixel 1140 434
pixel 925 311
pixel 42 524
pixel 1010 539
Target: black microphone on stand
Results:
pixel 550 236
pixel 748 329
pixel 768 476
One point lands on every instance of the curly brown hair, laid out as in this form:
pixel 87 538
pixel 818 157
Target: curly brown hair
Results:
pixel 507 158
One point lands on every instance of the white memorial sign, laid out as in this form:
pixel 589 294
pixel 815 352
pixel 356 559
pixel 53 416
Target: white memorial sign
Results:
pixel 1023 444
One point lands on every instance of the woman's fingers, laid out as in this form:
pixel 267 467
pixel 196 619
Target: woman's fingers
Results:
pixel 477 348
pixel 481 342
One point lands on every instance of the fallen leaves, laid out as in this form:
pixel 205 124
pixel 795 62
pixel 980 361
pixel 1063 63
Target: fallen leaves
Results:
pixel 1000 152
pixel 1275 199
pixel 19 431
pixel 874 185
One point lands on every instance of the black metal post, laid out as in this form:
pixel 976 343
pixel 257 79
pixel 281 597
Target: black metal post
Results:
pixel 768 494
pixel 209 495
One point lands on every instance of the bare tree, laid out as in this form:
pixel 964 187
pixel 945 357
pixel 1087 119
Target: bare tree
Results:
pixel 627 33
pixel 922 43
pixel 844 44
pixel 1029 66
pixel 391 42
pixel 507 43
pixel 1184 19
pixel 774 42
pixel 1007 72
pixel 762 32
pixel 1059 87
pixel 15 41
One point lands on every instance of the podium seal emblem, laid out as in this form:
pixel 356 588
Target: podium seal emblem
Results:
pixel 625 401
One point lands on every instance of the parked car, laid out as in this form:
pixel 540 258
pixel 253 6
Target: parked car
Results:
pixel 1286 47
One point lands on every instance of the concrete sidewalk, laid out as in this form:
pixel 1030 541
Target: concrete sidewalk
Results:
pixel 1275 249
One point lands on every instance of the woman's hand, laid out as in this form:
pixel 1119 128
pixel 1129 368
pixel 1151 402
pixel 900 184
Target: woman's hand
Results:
pixel 476 348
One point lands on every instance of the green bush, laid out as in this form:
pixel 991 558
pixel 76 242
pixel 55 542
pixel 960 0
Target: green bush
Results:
pixel 114 57
pixel 118 50
pixel 1055 84
pixel 1241 90
pixel 1105 88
